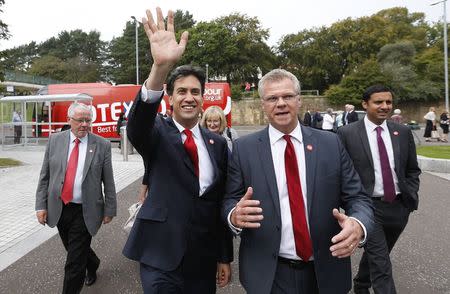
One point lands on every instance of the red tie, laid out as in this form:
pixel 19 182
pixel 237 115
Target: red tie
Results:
pixel 71 171
pixel 191 148
pixel 303 245
pixel 386 173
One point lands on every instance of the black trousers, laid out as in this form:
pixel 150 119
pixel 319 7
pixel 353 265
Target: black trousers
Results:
pixel 195 275
pixel 77 241
pixel 17 134
pixel 375 268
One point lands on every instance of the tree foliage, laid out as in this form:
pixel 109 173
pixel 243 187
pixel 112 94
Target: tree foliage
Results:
pixel 4 32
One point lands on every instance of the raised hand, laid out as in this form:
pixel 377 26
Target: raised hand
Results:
pixel 163 44
pixel 247 213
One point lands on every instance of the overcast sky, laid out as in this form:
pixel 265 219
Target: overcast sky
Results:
pixel 39 20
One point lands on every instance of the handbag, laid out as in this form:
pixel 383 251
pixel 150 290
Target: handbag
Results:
pixel 133 210
pixel 435 135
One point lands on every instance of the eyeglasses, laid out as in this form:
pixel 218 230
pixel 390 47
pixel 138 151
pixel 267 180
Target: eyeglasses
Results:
pixel 286 98
pixel 80 121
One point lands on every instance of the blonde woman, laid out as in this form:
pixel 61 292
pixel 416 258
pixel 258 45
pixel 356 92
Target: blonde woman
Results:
pixel 214 120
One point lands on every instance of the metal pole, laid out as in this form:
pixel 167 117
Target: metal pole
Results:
pixel 207 80
pixel 445 55
pixel 137 52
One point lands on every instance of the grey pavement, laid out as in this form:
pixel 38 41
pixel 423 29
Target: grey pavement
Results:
pixel 32 258
pixel 19 230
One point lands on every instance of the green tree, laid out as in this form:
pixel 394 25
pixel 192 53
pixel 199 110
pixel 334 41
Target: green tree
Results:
pixel 4 32
pixel 249 39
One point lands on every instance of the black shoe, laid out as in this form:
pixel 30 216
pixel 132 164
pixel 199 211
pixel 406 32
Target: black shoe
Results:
pixel 91 277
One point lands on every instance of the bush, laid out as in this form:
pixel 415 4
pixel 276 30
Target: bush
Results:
pixel 236 92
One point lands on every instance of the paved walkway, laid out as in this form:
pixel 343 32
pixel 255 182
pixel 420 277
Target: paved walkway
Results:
pixel 19 230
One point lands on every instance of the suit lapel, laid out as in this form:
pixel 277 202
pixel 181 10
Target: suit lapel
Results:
pixel 90 152
pixel 310 145
pixel 364 141
pixel 209 143
pixel 394 135
pixel 266 160
pixel 65 151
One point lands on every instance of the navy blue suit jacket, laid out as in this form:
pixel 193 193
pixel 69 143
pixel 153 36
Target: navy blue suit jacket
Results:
pixel 174 222
pixel 331 181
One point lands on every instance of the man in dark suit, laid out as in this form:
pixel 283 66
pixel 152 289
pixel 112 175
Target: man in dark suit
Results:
pixel 293 237
pixel 178 236
pixel 71 196
pixel 349 115
pixel 384 154
pixel 307 119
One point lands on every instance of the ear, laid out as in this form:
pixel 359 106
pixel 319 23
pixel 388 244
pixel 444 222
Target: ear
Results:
pixel 364 104
pixel 171 100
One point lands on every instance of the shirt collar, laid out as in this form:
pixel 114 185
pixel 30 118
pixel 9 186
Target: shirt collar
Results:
pixel 371 126
pixel 275 135
pixel 82 140
pixel 195 130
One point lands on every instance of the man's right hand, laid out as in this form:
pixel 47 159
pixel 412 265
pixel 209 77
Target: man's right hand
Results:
pixel 42 216
pixel 247 213
pixel 165 50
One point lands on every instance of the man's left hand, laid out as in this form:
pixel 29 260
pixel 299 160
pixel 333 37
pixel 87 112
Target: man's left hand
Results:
pixel 346 242
pixel 223 276
pixel 107 219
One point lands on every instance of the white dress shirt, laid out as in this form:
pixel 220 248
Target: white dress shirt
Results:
pixel 278 146
pixel 378 190
pixel 205 166
pixel 82 149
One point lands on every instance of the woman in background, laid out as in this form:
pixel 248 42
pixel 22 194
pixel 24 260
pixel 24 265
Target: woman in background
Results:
pixel 444 122
pixel 214 120
pixel 328 120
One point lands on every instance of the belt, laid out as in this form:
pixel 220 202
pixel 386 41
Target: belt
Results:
pixel 381 198
pixel 297 264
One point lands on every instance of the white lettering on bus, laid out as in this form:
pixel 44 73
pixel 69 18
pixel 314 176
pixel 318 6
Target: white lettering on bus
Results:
pixel 102 108
pixel 116 109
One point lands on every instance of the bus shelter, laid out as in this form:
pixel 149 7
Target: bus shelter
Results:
pixel 32 126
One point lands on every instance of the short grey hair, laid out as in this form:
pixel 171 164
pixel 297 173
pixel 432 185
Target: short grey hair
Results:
pixel 277 75
pixel 77 105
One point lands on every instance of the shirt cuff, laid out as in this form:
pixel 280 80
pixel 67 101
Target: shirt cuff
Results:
pixel 236 231
pixel 150 96
pixel 363 241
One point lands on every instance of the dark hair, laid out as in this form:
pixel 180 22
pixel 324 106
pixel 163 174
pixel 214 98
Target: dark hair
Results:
pixel 184 71
pixel 375 89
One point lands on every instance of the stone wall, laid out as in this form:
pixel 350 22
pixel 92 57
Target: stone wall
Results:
pixel 249 111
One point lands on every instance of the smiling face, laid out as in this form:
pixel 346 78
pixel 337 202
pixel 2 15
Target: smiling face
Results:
pixel 282 113
pixel 378 107
pixel 186 101
pixel 213 123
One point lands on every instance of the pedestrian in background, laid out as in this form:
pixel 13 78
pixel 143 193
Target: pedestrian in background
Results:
pixel 214 120
pixel 397 117
pixel 444 123
pixel 328 120
pixel 76 193
pixel 430 126
pixel 384 154
pixel 17 122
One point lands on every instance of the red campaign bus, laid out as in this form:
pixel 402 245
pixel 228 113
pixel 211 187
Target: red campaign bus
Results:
pixel 110 100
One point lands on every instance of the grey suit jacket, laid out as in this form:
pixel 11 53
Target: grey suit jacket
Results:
pixel 331 182
pixel 354 138
pixel 98 200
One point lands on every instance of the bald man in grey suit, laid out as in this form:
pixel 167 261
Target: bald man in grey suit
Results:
pixel 78 209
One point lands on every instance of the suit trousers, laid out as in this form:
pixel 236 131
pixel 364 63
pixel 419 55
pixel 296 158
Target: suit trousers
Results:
pixel 77 242
pixel 375 268
pixel 295 279
pixel 192 276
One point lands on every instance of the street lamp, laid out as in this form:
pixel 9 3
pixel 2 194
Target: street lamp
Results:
pixel 207 66
pixel 445 51
pixel 136 23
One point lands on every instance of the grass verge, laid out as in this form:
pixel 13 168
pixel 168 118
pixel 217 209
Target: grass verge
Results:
pixel 8 162
pixel 442 152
